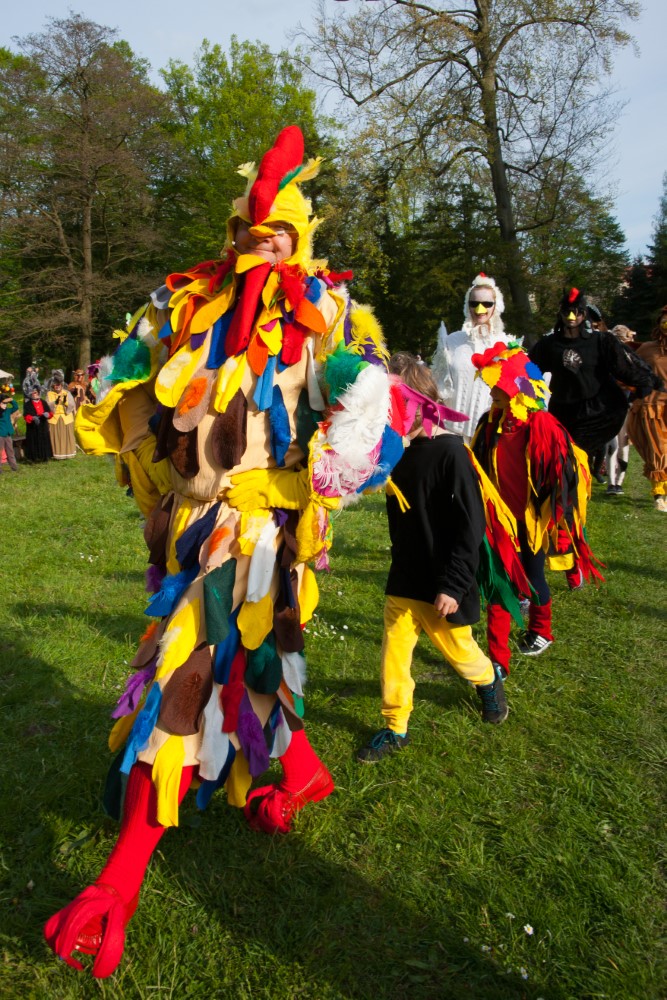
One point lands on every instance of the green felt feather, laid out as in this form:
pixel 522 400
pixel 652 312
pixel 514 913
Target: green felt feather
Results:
pixel 131 361
pixel 340 371
pixel 495 587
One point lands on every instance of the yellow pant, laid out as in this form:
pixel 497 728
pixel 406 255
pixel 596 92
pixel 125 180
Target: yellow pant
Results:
pixel 403 621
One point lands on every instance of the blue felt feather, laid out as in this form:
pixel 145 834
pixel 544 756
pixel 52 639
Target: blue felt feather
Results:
pixel 142 728
pixel 207 788
pixel 189 544
pixel 227 650
pixel 216 353
pixel 170 592
pixel 263 394
pixel 391 451
pixel 280 429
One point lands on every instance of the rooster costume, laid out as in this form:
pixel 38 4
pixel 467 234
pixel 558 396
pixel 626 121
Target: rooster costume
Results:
pixel 543 478
pixel 247 400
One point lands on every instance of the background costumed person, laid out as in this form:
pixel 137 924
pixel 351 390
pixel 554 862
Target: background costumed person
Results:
pixel 543 478
pixel 647 421
pixel 586 367
pixel 247 400
pixel 452 366
pixel 617 452
pixel 37 415
pixel 61 426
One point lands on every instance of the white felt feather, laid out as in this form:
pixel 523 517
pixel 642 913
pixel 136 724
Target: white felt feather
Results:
pixel 215 744
pixel 262 563
pixel 294 672
pixel 282 737
pixel 315 397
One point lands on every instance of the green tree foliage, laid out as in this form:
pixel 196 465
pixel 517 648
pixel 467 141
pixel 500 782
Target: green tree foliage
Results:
pixel 82 137
pixel 657 257
pixel 504 91
pixel 634 305
pixel 225 111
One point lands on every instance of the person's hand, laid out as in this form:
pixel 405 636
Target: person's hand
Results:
pixel 35 420
pixel 269 488
pixel 445 605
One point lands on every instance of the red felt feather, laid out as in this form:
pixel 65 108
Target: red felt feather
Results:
pixel 285 154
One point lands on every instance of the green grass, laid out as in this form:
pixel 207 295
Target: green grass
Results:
pixel 402 883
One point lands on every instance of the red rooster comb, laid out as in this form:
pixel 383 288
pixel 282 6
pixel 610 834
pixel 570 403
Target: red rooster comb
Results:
pixel 285 155
pixel 574 295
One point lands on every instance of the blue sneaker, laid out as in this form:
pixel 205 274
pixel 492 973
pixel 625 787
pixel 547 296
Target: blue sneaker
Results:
pixel 383 743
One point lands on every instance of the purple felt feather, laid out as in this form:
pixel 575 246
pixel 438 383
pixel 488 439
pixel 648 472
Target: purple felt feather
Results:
pixel 129 700
pixel 251 738
pixel 154 578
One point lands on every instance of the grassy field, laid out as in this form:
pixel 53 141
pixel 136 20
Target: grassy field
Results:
pixel 493 863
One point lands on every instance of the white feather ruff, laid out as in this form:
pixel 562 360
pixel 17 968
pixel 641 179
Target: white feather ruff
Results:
pixel 357 428
pixel 105 369
pixel 145 333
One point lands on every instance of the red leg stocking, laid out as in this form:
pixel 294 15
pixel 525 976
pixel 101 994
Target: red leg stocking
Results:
pixel 94 923
pixel 498 625
pixel 305 779
pixel 539 619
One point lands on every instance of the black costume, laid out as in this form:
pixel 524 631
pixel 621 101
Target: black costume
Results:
pixel 37 436
pixel 585 395
pixel 435 544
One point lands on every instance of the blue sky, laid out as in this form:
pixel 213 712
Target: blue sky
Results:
pixel 634 160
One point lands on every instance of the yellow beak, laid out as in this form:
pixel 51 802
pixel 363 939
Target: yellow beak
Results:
pixel 480 309
pixel 571 316
pixel 261 232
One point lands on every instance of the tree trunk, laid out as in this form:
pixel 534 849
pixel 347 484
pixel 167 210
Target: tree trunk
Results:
pixel 86 321
pixel 514 272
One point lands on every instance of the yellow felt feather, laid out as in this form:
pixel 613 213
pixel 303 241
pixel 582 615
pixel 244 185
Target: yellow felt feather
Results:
pixel 121 730
pixel 179 638
pixel 255 621
pixel 179 523
pixel 167 770
pixel 309 594
pixel 207 314
pixel 176 373
pixel 230 377
pixel 239 781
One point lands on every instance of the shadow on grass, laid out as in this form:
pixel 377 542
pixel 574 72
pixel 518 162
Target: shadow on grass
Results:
pixel 113 626
pixel 285 898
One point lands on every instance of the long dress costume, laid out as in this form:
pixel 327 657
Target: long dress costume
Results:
pixel 647 421
pixel 236 369
pixel 61 425
pixel 37 436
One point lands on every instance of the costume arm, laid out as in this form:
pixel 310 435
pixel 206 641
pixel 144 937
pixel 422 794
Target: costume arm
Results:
pixel 628 368
pixel 460 526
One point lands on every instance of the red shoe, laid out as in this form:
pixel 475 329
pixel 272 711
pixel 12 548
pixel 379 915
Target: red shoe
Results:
pixel 93 924
pixel 272 808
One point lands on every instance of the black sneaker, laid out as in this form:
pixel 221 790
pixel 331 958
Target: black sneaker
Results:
pixel 532 644
pixel 383 743
pixel 501 672
pixel 494 703
pixel 618 490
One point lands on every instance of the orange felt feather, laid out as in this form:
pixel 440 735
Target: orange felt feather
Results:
pixel 150 632
pixel 217 538
pixel 193 395
pixel 258 354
